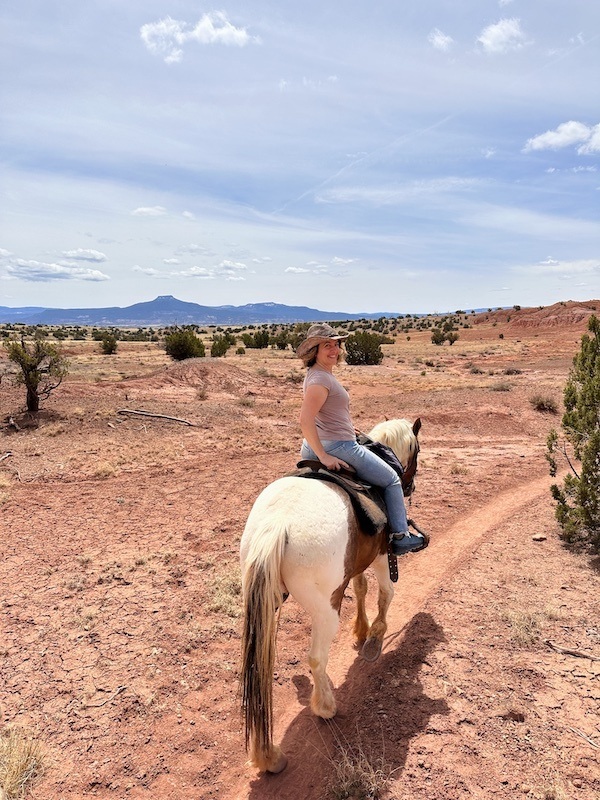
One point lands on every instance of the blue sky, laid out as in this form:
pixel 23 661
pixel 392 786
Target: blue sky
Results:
pixel 349 156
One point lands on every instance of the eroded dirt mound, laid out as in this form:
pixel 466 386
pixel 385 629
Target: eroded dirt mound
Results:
pixel 565 314
pixel 199 374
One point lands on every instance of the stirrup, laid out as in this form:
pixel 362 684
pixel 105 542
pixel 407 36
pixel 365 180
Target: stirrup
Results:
pixel 412 543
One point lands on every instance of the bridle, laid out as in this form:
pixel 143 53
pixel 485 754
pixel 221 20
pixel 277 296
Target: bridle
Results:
pixel 410 471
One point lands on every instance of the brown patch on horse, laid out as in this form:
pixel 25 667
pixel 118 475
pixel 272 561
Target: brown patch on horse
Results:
pixel 361 551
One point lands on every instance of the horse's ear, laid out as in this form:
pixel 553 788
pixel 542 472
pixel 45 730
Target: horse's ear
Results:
pixel 417 426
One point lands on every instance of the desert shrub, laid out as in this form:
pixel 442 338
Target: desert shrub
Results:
pixel 281 340
pixel 258 340
pixel 578 499
pixel 41 364
pixel 183 343
pixel 512 371
pixel 547 405
pixel 501 386
pixel 219 346
pixel 364 348
pixel 438 336
pixel 109 344
pixel 241 351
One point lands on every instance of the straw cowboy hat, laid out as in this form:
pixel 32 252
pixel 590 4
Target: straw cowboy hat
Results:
pixel 320 332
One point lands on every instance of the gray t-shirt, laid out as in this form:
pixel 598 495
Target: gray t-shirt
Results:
pixel 333 419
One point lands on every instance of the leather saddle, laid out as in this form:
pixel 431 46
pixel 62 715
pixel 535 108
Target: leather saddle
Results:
pixel 367 501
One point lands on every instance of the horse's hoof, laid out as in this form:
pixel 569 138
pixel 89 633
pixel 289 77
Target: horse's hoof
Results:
pixel 279 765
pixel 324 710
pixel 371 649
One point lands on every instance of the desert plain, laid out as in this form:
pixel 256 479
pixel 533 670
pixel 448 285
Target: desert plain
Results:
pixel 120 606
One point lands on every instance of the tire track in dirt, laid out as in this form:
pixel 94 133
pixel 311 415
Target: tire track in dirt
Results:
pixel 419 578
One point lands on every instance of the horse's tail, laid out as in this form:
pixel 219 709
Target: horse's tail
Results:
pixel 262 596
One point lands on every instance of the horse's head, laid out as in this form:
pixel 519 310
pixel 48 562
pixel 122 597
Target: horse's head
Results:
pixel 402 437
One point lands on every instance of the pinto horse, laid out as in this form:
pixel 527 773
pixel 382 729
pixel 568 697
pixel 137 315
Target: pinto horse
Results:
pixel 302 538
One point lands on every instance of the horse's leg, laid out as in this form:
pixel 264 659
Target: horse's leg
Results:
pixel 325 624
pixel 361 622
pixel 372 647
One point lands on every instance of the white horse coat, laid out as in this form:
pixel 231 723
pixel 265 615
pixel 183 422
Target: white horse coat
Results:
pixel 302 538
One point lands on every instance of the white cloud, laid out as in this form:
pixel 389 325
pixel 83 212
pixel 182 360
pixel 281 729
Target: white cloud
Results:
pixel 566 134
pixel 342 262
pixel 552 267
pixel 197 272
pixel 153 211
pixel 188 215
pixel 503 36
pixel 395 195
pixel 229 270
pixel 440 40
pixel 38 271
pixel 171 261
pixel 298 270
pixel 167 37
pixel 84 255
pixel 319 83
pixel 593 143
pixel 193 249
pixel 147 271
pixel 5 253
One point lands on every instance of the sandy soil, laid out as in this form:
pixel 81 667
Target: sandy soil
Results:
pixel 120 606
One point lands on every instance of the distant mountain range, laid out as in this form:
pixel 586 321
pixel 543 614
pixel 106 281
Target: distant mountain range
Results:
pixel 167 310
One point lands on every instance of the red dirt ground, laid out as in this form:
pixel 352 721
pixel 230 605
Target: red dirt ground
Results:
pixel 119 574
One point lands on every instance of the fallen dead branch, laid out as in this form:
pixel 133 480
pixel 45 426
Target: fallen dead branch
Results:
pixel 112 696
pixel 141 413
pixel 6 455
pixel 565 651
pixel 586 737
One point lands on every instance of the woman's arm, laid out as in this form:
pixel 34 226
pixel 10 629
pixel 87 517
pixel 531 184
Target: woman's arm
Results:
pixel 314 397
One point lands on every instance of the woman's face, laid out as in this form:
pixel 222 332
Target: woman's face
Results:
pixel 328 353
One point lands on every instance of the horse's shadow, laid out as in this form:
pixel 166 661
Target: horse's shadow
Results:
pixel 381 707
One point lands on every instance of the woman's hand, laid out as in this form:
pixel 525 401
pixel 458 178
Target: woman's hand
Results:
pixel 331 462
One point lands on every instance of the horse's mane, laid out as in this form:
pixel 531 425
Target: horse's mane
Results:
pixel 397 434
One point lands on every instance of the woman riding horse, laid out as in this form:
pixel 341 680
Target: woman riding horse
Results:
pixel 330 436
pixel 303 539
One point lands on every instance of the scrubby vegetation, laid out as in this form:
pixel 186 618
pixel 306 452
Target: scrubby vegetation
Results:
pixel 41 367
pixel 578 499
pixel 183 343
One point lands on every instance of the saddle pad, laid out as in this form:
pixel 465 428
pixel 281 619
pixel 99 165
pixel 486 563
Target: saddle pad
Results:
pixel 368 506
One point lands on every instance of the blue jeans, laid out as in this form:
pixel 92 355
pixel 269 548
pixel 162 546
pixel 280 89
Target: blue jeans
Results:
pixel 371 469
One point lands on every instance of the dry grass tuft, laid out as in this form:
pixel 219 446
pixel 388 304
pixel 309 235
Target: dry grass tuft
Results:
pixel 544 404
pixel 357 775
pixel 225 591
pixel 105 470
pixel 21 762
pixel 525 627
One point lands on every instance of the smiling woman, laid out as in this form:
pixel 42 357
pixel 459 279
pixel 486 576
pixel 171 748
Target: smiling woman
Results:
pixel 330 435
